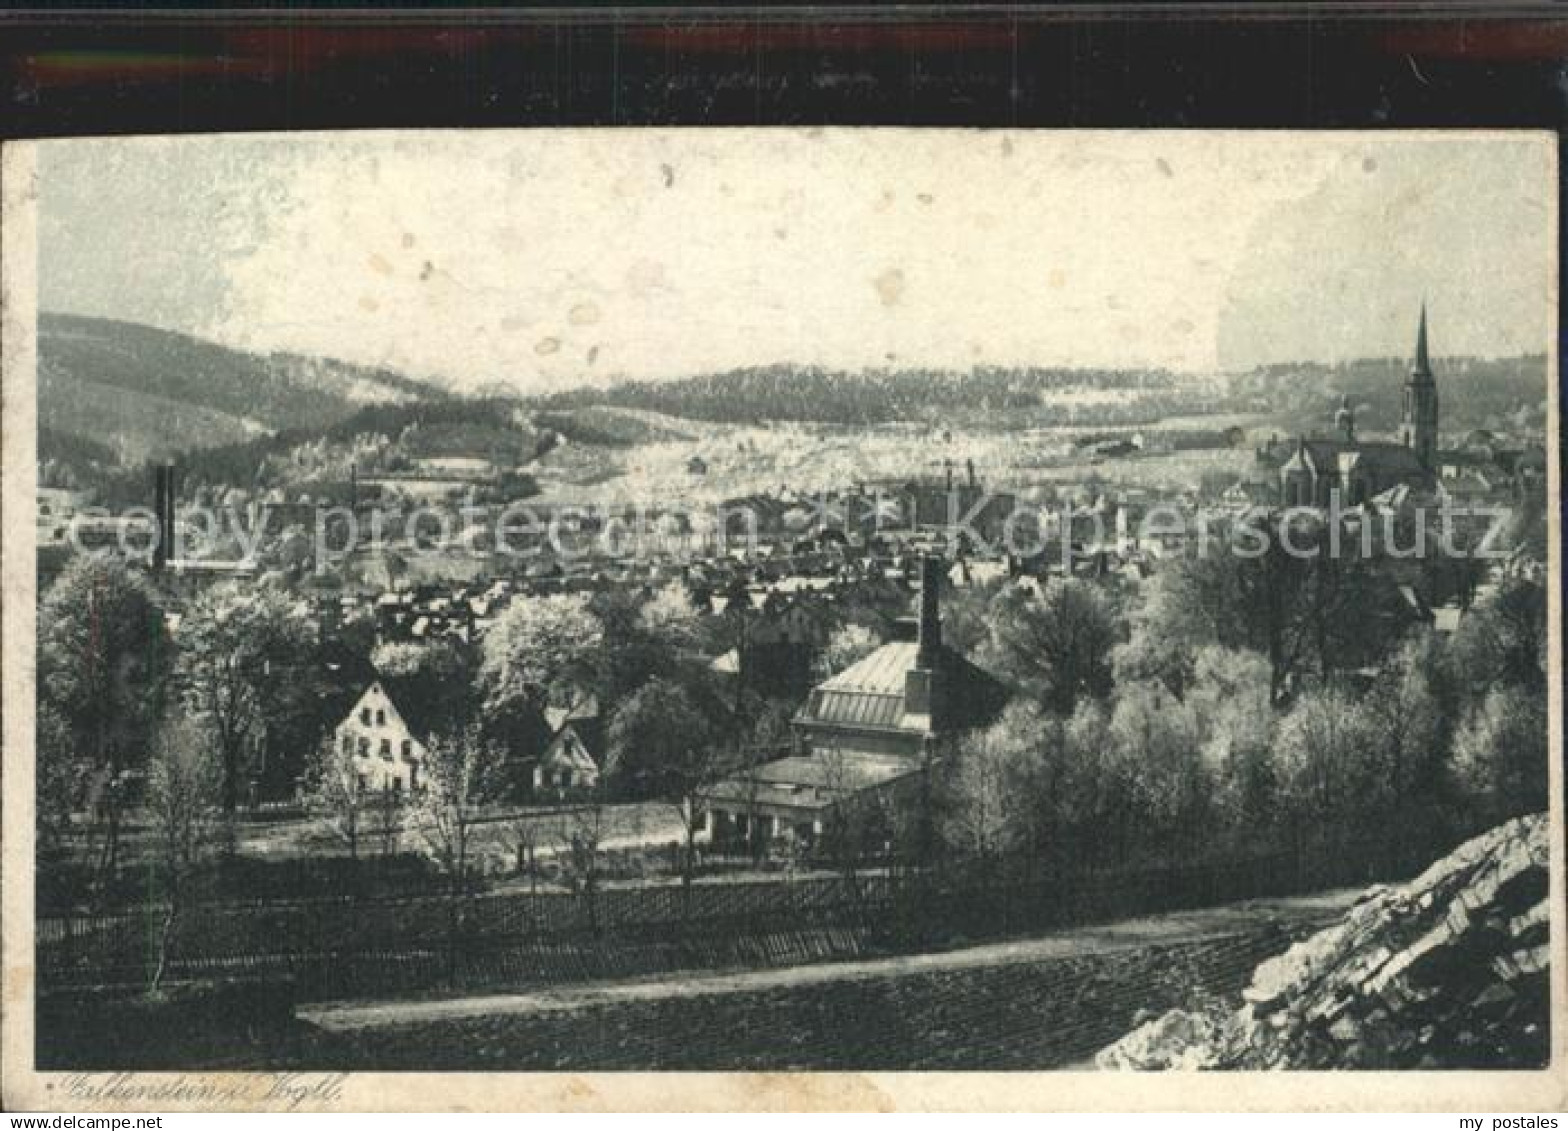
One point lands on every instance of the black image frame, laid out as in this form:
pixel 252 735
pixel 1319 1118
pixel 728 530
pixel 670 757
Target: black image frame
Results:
pixel 189 69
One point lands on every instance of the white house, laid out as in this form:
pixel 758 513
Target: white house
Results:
pixel 387 754
pixel 574 758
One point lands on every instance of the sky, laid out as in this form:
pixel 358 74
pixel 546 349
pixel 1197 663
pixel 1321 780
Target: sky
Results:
pixel 548 259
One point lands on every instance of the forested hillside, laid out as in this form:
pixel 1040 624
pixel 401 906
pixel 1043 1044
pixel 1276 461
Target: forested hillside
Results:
pixel 1506 394
pixel 136 391
pixel 1005 396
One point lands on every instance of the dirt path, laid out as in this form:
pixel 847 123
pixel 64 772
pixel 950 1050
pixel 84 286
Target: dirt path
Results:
pixel 1131 934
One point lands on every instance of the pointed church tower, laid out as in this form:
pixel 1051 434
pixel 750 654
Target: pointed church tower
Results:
pixel 1418 431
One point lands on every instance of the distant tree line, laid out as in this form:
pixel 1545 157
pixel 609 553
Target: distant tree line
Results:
pixel 832 396
pixel 1499 393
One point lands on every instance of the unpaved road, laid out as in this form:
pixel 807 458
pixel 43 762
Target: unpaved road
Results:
pixel 1127 935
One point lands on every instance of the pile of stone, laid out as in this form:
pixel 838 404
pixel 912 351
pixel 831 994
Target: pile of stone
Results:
pixel 1447 971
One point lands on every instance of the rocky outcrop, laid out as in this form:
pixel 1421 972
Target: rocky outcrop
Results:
pixel 1447 971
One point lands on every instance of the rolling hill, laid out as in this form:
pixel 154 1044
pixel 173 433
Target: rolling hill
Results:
pixel 992 396
pixel 138 392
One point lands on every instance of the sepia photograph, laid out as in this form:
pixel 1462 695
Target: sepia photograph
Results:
pixel 789 600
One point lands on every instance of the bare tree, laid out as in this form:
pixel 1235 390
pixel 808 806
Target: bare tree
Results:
pixel 385 813
pixel 842 839
pixel 462 772
pixel 333 793
pixel 524 830
pixel 582 833
pixel 182 804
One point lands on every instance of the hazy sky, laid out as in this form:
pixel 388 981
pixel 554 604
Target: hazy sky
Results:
pixel 547 259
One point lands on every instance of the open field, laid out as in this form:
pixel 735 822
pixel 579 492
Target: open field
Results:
pixel 743 460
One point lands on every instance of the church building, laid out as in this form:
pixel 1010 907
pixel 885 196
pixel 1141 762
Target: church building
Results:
pixel 1359 469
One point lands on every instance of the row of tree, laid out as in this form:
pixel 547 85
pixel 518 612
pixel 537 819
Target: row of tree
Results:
pixel 1241 707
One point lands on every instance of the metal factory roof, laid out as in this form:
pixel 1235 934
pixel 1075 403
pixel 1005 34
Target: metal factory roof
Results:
pixel 871 693
pixel 810 783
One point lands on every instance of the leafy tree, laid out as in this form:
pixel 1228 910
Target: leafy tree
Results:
pixel 1503 641
pixel 665 741
pixel 1500 755
pixel 182 806
pixel 1081 806
pixel 1158 762
pixel 1331 785
pixel 1288 588
pixel 670 616
pixel 1410 709
pixel 1056 648
pixel 103 668
pixel 848 644
pixel 966 616
pixel 239 656
pixel 641 638
pixel 540 645
pixel 1165 632
pixel 983 808
pixel 62 778
pixel 1229 699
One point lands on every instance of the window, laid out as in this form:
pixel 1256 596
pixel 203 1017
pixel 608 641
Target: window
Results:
pixel 348 744
pixel 364 716
pixel 381 718
pixel 408 748
pixel 397 786
pixel 386 749
pixel 364 746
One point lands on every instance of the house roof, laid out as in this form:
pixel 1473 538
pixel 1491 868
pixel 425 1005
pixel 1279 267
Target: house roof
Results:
pixel 870 693
pixel 584 707
pixel 1380 455
pixel 810 783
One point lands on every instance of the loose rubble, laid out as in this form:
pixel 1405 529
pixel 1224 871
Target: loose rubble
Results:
pixel 1447 971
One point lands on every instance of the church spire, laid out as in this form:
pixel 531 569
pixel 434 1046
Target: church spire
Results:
pixel 1418 430
pixel 1423 365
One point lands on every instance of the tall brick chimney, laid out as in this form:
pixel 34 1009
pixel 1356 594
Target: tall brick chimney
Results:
pixel 930 637
pixel 920 683
pixel 163 506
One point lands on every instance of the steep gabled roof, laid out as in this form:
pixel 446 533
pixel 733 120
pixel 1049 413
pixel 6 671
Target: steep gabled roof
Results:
pixel 1381 455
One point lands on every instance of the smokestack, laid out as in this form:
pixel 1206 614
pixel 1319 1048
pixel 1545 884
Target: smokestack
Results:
pixel 160 494
pixel 166 513
pixel 930 637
